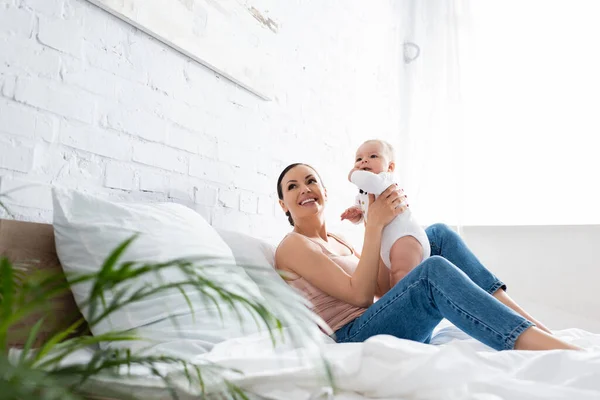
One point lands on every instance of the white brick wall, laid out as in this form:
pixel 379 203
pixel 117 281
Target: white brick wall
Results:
pixel 89 102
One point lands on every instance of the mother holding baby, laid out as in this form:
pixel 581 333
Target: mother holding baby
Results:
pixel 428 276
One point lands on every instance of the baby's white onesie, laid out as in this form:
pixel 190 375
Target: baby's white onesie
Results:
pixel 403 225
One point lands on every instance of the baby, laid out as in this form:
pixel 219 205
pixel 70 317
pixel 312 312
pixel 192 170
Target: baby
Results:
pixel 404 243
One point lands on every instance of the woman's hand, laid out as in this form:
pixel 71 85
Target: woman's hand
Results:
pixel 389 204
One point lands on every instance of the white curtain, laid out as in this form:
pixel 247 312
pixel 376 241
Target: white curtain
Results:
pixel 502 112
pixel 431 142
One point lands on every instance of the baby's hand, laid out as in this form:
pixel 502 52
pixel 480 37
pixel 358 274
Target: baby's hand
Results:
pixel 353 214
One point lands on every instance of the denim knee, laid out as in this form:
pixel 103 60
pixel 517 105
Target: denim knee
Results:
pixel 437 268
pixel 439 229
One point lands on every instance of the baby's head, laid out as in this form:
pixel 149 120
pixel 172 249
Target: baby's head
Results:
pixel 375 156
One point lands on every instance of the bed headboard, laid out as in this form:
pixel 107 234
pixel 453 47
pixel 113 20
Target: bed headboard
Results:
pixel 31 245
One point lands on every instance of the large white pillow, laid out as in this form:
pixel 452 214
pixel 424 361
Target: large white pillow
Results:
pixel 88 229
pixel 250 251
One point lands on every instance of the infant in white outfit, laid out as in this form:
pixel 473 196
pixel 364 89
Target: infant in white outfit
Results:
pixel 404 243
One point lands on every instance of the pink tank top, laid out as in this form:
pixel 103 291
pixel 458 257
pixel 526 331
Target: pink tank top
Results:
pixel 333 311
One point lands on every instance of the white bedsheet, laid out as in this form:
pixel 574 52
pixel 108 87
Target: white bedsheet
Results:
pixel 385 367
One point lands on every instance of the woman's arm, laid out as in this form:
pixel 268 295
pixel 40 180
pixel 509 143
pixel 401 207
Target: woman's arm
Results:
pixel 383 278
pixel 305 258
pixel 300 255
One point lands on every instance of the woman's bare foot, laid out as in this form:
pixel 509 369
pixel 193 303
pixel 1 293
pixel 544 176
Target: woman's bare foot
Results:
pixel 506 300
pixel 536 339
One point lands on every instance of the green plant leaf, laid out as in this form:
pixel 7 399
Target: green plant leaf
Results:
pixel 57 338
pixel 106 271
pixel 280 307
pixel 7 288
pixel 30 340
pixel 61 350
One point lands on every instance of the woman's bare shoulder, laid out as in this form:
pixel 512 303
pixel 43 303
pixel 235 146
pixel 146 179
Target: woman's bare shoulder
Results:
pixel 292 246
pixel 294 242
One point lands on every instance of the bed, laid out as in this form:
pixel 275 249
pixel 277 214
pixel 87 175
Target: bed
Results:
pixel 384 367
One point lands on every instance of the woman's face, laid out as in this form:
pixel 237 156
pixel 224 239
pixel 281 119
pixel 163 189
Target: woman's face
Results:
pixel 303 193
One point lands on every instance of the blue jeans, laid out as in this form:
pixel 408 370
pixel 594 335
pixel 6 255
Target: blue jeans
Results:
pixel 451 284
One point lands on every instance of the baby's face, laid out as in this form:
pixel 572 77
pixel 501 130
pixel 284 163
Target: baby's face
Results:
pixel 370 157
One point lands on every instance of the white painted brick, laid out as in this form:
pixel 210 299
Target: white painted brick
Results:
pixel 224 137
pixel 235 155
pixel 17 119
pixel 196 99
pixel 160 156
pixel 202 80
pixel 51 8
pixel 194 142
pixel 127 196
pixel 21 120
pixel 249 180
pixel 265 205
pixel 229 198
pixel 205 195
pixel 91 79
pixel 248 203
pixel 46 127
pixel 182 138
pixel 187 116
pixel 61 34
pixel 28 214
pixel 86 171
pixel 67 166
pixel 16 157
pixel 107 32
pixel 269 228
pixel 213 171
pixel 230 219
pixel 277 210
pixel 50 96
pixel 193 118
pixel 242 97
pixel 76 9
pixel 7 85
pixel 52 161
pixel 167 76
pixel 211 125
pixel 113 60
pixel 138 123
pixel 181 188
pixel 232 129
pixel 119 176
pixel 267 165
pixel 153 182
pixel 15 21
pixel 134 95
pixel 205 212
pixel 95 140
pixel 25 193
pixel 29 56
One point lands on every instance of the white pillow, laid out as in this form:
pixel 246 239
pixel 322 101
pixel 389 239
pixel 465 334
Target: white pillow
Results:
pixel 88 229
pixel 249 250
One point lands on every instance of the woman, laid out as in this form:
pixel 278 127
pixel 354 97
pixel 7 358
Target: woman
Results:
pixel 343 285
